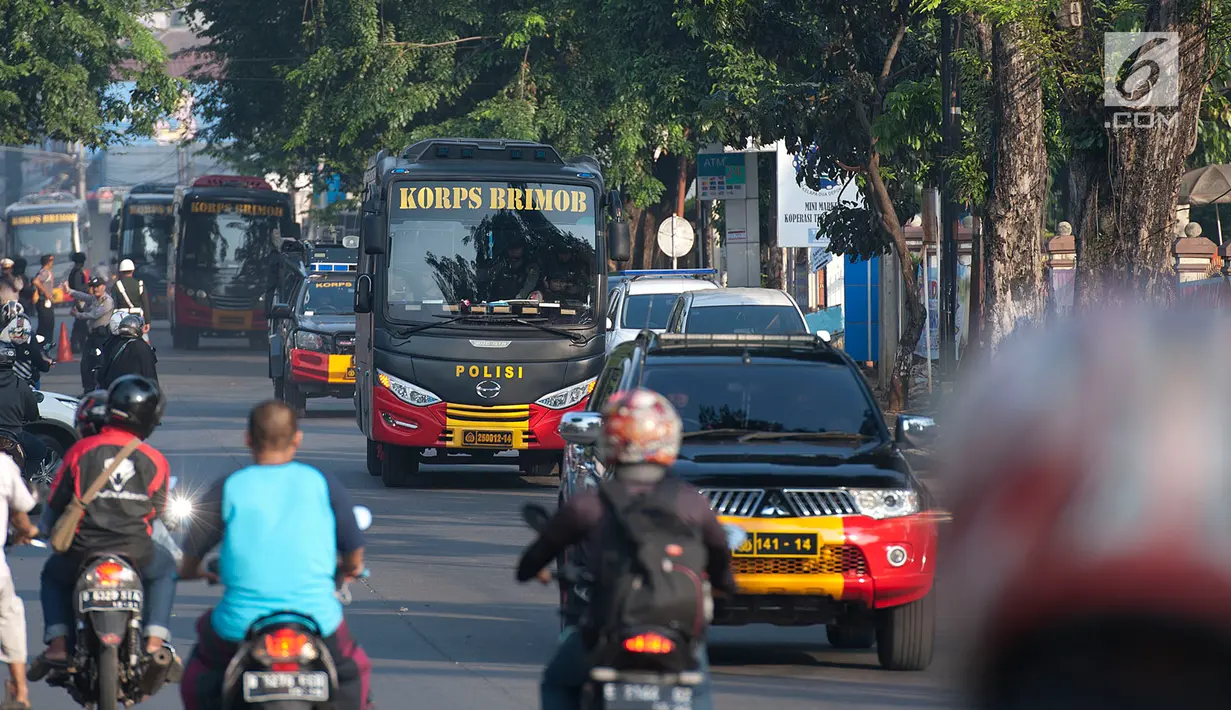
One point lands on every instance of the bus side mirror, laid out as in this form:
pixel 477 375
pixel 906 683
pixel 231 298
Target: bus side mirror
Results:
pixel 619 243
pixel 294 231
pixel 373 238
pixel 115 233
pixel 363 294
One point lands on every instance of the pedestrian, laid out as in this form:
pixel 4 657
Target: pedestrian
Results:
pixel 44 284
pixel 97 314
pixel 129 294
pixel 25 289
pixel 16 502
pixel 78 277
pixel 9 290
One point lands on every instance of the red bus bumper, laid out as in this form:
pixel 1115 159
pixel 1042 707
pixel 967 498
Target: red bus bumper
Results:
pixel 190 313
pixel 514 427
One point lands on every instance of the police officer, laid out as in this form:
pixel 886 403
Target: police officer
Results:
pixel 97 313
pixel 129 294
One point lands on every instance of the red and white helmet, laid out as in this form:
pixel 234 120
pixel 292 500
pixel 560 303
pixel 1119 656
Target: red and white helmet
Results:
pixel 1089 476
pixel 639 427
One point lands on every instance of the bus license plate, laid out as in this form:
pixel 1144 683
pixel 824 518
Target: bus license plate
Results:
pixel 110 600
pixel 646 696
pixel 264 687
pixel 487 438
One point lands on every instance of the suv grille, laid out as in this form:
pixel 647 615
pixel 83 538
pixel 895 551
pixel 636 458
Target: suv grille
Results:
pixel 788 503
pixel 839 559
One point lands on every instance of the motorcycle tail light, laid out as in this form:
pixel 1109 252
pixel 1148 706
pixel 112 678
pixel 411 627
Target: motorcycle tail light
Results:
pixel 285 643
pixel 109 573
pixel 648 643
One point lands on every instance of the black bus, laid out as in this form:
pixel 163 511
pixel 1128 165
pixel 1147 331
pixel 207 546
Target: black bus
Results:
pixel 141 232
pixel 480 301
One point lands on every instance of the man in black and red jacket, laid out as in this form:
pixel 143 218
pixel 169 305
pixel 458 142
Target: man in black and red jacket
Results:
pixel 117 521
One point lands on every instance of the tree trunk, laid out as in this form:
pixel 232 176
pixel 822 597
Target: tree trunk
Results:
pixel 913 315
pixel 1126 194
pixel 1014 284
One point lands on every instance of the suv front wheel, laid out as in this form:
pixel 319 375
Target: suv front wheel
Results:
pixel 905 635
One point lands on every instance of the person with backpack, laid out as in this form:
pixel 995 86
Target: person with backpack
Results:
pixel 127 353
pixel 632 584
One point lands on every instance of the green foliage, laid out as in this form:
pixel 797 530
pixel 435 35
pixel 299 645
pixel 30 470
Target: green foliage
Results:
pixel 331 83
pixel 58 60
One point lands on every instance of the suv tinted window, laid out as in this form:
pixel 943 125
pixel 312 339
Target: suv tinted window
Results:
pixel 716 320
pixel 798 397
pixel 648 310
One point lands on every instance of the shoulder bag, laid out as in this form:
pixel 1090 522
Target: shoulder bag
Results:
pixel 66 526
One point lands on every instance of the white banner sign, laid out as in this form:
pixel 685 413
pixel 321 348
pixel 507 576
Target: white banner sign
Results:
pixel 800 208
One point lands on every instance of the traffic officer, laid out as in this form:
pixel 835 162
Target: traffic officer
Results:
pixel 97 310
pixel 129 294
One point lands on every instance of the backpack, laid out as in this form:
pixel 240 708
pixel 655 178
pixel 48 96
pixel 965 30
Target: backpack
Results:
pixel 651 569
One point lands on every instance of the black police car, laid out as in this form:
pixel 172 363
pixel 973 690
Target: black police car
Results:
pixel 312 335
pixel 784 437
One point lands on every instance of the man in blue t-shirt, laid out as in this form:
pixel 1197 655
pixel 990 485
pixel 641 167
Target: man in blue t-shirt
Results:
pixel 286 532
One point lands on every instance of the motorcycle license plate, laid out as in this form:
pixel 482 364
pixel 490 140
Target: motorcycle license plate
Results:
pixel 267 686
pixel 110 600
pixel 646 696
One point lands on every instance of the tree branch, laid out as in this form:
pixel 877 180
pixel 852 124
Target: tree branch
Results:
pixel 849 168
pixel 889 57
pixel 420 45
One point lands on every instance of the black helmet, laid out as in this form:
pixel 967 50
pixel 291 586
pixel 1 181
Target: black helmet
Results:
pixel 91 413
pixel 130 326
pixel 134 403
pixel 11 310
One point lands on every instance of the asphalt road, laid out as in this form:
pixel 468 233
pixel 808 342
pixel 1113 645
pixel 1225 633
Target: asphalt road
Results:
pixel 442 618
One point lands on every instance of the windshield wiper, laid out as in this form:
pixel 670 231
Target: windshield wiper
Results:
pixel 707 433
pixel 806 435
pixel 577 338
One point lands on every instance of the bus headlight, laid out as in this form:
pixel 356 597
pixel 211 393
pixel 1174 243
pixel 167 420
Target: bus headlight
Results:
pixel 567 397
pixel 305 340
pixel 413 395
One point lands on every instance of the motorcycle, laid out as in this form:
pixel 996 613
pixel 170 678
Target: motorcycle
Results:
pixel 109 666
pixel 283 663
pixel 641 668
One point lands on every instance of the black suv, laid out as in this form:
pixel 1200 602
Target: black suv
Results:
pixel 783 435
pixel 312 338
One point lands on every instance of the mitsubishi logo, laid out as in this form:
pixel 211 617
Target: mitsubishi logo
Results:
pixel 774 508
pixel 488 389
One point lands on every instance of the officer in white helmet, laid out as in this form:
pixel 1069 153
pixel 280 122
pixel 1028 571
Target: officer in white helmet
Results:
pixel 129 294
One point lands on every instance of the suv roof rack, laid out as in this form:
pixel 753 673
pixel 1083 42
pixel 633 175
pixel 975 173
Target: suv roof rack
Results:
pixel 738 341
pixel 634 274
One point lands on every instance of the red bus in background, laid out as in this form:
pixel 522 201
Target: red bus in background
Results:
pixel 227 233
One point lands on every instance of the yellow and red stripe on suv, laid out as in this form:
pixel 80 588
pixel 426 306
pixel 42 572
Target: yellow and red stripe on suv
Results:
pixel 813 542
pixel 311 366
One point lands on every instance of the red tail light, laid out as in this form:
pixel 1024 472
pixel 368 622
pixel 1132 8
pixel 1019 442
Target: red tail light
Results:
pixel 285 643
pixel 109 572
pixel 648 643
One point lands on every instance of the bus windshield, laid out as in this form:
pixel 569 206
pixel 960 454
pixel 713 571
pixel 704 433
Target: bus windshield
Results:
pixel 230 236
pixel 493 243
pixel 32 239
pixel 147 231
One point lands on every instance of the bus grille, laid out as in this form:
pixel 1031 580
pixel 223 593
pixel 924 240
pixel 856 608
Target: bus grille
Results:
pixel 233 303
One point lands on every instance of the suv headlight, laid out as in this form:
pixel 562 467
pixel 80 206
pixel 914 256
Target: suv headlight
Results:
pixel 567 397
pixel 315 342
pixel 413 395
pixel 881 503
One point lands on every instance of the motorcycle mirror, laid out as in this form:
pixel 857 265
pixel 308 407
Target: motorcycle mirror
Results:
pixel 736 536
pixel 363 517
pixel 536 516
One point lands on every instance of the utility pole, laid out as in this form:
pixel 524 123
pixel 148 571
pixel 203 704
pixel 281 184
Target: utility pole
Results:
pixel 950 111
pixel 81 166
